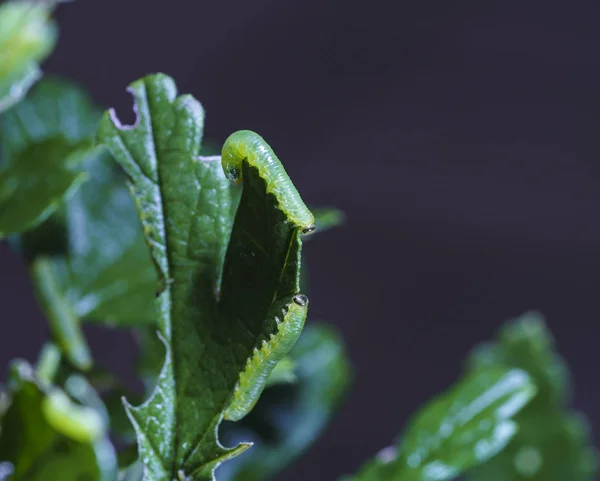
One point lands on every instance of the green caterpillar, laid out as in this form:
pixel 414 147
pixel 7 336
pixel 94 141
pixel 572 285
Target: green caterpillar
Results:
pixel 246 145
pixel 289 313
pixel 289 316
pixel 81 423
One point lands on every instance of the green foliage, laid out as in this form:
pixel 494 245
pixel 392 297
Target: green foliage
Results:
pixel 27 36
pixel 327 218
pixel 28 193
pixel 289 417
pixel 165 241
pixel 45 141
pixel 89 259
pixel 282 373
pixel 460 429
pixel 223 284
pixel 46 435
pixel 553 443
pixel 54 109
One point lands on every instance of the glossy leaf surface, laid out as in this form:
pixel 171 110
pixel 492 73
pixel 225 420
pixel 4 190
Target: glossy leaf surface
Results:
pixel 220 282
pixel 95 258
pixel 37 181
pixel 553 443
pixel 54 108
pixel 456 431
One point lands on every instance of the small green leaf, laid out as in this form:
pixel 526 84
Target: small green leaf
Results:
pixel 222 288
pixel 553 443
pixel 46 435
pixel 14 86
pixel 99 257
pixel 36 182
pixel 288 418
pixel 92 247
pixel 27 36
pixel 456 431
pixel 64 324
pixel 105 273
pixel 283 373
pixel 55 108
pixel 327 217
pixel 45 140
pixel 526 343
pixel 48 362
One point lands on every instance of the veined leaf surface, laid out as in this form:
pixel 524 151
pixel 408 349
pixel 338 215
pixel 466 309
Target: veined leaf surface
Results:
pixel 222 283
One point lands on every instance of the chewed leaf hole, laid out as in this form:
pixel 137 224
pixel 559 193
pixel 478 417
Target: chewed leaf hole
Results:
pixel 128 116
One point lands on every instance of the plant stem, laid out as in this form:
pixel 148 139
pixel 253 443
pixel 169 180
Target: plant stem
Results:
pixel 48 362
pixel 64 323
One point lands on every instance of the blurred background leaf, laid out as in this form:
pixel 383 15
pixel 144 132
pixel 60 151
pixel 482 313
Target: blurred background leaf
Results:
pixel 46 435
pixel 27 36
pixel 553 442
pixel 38 180
pixel 327 218
pixel 457 430
pixel 93 247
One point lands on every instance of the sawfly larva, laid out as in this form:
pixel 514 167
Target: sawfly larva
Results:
pixel 289 316
pixel 248 146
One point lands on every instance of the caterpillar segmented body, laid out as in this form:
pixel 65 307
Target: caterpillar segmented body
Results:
pixel 290 315
pixel 251 147
pixel 81 423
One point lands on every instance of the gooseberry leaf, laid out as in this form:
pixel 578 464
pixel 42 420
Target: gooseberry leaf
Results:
pixel 47 435
pixel 104 271
pixel 55 108
pixel 27 36
pixel 89 260
pixel 553 442
pixel 327 218
pixel 222 284
pixel 456 431
pixel 38 180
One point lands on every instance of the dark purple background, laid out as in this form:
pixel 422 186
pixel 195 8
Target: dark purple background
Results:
pixel 461 139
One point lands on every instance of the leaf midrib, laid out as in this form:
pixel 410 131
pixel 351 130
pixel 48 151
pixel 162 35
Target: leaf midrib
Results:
pixel 165 234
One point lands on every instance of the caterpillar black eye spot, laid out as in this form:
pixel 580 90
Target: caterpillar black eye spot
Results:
pixel 310 229
pixel 300 299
